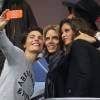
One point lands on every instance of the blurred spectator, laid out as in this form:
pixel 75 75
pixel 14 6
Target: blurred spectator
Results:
pixel 87 9
pixel 16 28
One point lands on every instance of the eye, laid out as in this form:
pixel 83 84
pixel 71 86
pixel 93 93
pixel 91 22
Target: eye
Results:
pixel 40 37
pixel 47 38
pixel 32 37
pixel 67 30
pixel 55 37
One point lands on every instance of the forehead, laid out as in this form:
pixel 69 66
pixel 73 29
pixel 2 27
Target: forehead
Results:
pixel 66 25
pixel 32 33
pixel 51 33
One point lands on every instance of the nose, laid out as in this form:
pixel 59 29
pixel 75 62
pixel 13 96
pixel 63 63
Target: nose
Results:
pixel 36 39
pixel 50 40
pixel 63 35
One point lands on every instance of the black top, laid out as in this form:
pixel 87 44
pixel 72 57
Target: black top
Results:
pixel 83 70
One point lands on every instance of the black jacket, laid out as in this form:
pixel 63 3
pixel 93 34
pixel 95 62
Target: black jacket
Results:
pixel 83 77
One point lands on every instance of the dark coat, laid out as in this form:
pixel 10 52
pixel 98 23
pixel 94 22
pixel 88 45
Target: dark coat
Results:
pixel 83 77
pixel 54 80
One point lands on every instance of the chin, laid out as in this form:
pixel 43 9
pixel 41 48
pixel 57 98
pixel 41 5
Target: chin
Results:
pixel 36 50
pixel 51 51
pixel 68 42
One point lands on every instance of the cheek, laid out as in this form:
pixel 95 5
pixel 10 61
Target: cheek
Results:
pixel 46 42
pixel 28 40
pixel 56 42
pixel 25 45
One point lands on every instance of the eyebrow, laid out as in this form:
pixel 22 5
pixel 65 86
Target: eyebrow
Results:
pixel 35 35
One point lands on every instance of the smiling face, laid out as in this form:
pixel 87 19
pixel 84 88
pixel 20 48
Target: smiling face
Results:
pixel 52 41
pixel 67 34
pixel 34 42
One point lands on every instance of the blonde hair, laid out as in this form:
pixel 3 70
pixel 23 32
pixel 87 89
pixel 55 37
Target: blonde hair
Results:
pixel 50 27
pixel 56 29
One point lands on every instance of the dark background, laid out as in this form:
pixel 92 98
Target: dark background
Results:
pixel 48 11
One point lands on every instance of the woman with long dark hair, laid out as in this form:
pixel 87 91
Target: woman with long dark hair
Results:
pixel 82 59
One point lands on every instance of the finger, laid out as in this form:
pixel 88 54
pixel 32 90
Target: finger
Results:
pixel 4 13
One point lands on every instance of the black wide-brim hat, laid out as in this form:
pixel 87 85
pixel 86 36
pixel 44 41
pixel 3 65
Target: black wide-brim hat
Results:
pixel 89 6
pixel 68 3
pixel 86 8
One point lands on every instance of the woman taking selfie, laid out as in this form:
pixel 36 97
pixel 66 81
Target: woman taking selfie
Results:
pixel 16 82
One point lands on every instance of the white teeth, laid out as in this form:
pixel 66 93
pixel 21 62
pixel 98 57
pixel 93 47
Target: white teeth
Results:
pixel 66 38
pixel 51 46
pixel 35 44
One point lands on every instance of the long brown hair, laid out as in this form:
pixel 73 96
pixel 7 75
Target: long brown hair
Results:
pixel 77 25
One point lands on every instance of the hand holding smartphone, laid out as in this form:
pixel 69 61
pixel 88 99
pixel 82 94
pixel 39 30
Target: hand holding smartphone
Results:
pixel 14 14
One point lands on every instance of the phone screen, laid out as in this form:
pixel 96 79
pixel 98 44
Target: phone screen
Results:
pixel 14 14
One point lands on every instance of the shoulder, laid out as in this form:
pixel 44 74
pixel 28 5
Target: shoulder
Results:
pixel 18 49
pixel 81 43
pixel 81 46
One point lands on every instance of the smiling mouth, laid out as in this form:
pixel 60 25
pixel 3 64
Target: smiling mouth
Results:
pixel 51 46
pixel 63 38
pixel 35 44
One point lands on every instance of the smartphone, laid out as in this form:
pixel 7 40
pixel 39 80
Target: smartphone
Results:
pixel 14 14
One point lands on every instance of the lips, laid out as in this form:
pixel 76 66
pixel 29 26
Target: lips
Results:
pixel 35 43
pixel 51 46
pixel 65 37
